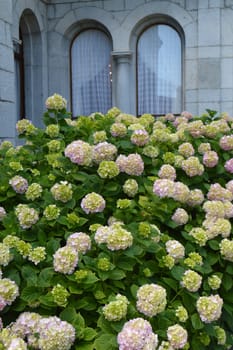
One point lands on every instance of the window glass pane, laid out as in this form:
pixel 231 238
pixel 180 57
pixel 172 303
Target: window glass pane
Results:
pixel 159 71
pixel 90 61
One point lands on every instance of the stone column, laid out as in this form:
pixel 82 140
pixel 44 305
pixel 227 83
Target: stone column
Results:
pixel 122 64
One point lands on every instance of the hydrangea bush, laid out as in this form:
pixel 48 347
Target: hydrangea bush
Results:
pixel 116 232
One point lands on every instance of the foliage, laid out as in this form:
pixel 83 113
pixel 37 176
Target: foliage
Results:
pixel 109 219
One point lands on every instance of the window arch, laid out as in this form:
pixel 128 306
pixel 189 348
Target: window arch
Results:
pixel 91 72
pixel 159 70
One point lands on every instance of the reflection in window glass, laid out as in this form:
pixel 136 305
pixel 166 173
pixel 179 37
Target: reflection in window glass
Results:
pixel 91 79
pixel 159 73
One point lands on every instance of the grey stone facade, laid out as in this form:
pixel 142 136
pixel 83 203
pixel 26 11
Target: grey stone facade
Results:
pixel 50 25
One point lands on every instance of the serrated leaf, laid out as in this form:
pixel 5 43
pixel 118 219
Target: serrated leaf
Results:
pixel 30 294
pixel 106 342
pixel 89 334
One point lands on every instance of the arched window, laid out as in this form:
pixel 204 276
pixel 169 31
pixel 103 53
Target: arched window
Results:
pixel 159 70
pixel 91 72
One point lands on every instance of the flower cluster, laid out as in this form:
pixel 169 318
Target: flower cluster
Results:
pixel 51 212
pixel 65 260
pixel 19 184
pixel 108 169
pixel 117 309
pixel 180 216
pixel 137 334
pixel 130 187
pixel 79 152
pixel 177 336
pixel 175 249
pixel 104 151
pixel 62 191
pixel 80 241
pixel 8 292
pixel 118 130
pixel 192 166
pixel 131 165
pixel 56 101
pixel 25 126
pixel 93 203
pixel 191 280
pixel 210 308
pixel 27 216
pixel 140 137
pixel 33 192
pixel 167 172
pixel 151 299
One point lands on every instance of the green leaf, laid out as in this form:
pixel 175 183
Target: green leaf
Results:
pixel 134 289
pixel 177 272
pixel 213 244
pixel 29 274
pixel 30 294
pixel 116 274
pixel 86 303
pixel 45 277
pixel 89 334
pixel 196 321
pixel 106 342
pixel 125 264
pixel 171 283
pixel 84 346
pixel 227 282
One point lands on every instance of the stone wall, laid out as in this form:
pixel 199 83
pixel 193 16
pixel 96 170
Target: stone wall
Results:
pixel 207 26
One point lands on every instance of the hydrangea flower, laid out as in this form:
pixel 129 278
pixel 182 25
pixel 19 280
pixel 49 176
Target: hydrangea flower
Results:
pixel 150 151
pixel 62 191
pixel 175 249
pixel 108 169
pixel 65 260
pixel 55 334
pixel 196 197
pixel 167 171
pixel 192 167
pixel 51 212
pixel 101 234
pixel 8 290
pixel 36 255
pixel 191 280
pixel 27 216
pixel 119 238
pixel 56 101
pixel 163 188
pixel 181 313
pixel 130 187
pixel 19 184
pixel 204 147
pixel 79 152
pixel 194 259
pixel 60 295
pixel 136 334
pixel 214 281
pixel 186 149
pixel 196 128
pixel 177 336
pixel 99 136
pixel 210 159
pixel 140 137
pixel 151 299
pixel 79 241
pixel 226 249
pixel 180 192
pixel 180 216
pixel 118 130
pixel 25 126
pixel 104 151
pixel 117 309
pixel 221 335
pixel 218 193
pixel 52 130
pixel 5 254
pixel 93 203
pixel 33 192
pixel 134 165
pixel 226 142
pixel 229 165
pixel 214 209
pixel 209 308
